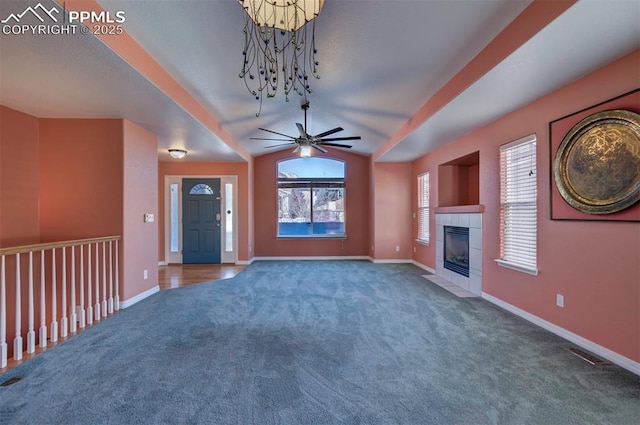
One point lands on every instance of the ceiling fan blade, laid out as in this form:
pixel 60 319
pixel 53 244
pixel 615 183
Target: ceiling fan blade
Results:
pixel 337 145
pixel 320 149
pixel 329 132
pixel 303 133
pixel 281 144
pixel 338 139
pixel 275 140
pixel 275 132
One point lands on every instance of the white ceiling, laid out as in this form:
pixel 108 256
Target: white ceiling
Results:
pixel 380 61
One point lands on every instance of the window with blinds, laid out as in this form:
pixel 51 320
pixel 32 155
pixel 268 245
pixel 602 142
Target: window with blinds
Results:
pixel 518 210
pixel 423 208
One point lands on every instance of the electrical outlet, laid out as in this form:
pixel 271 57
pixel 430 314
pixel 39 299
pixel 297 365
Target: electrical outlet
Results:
pixel 145 274
pixel 414 249
pixel 397 248
pixel 560 300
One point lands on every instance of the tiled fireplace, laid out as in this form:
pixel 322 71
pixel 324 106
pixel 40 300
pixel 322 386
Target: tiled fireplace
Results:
pixel 460 219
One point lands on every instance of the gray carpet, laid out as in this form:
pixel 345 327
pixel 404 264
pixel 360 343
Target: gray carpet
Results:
pixel 343 342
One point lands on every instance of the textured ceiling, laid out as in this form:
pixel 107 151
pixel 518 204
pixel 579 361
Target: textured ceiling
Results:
pixel 380 61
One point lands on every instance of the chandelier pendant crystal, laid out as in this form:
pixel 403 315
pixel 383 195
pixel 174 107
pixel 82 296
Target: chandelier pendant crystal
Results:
pixel 279 47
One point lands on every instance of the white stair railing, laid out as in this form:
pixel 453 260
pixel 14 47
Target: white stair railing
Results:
pixel 71 275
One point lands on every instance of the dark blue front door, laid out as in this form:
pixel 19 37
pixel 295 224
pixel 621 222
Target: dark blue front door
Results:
pixel 201 221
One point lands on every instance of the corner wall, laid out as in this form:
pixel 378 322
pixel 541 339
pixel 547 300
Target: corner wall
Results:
pixel 391 211
pixel 19 178
pixel 140 197
pixel 81 179
pixel 593 264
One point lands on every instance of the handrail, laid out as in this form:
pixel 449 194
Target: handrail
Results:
pixel 98 297
pixel 54 245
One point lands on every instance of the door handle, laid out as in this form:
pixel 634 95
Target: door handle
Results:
pixel 218 217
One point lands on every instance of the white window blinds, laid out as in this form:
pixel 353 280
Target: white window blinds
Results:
pixel 423 207
pixel 518 211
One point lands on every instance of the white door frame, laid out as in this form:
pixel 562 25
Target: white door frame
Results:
pixel 176 257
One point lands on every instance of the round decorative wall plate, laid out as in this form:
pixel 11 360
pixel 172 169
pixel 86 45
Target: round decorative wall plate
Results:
pixel 597 165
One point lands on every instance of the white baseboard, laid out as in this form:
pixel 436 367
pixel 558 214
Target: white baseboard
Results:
pixel 337 257
pixel 591 346
pixel 162 263
pixel 311 258
pixel 423 267
pixel 141 296
pixel 245 262
pixel 389 261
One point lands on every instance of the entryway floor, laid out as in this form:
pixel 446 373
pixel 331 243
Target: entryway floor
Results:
pixel 177 275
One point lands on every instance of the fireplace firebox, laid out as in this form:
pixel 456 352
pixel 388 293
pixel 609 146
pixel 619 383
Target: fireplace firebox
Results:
pixel 456 249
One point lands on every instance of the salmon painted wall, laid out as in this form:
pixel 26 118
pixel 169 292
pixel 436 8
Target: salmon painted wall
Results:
pixel 357 210
pixel 19 183
pixel 80 178
pixel 18 201
pixel 250 208
pixel 593 264
pixel 391 211
pixel 140 193
pixel 184 168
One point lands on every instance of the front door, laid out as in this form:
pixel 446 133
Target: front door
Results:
pixel 201 229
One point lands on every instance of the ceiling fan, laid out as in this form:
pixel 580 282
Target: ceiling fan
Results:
pixel 305 141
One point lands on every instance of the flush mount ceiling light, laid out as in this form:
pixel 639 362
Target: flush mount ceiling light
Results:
pixel 177 153
pixel 279 46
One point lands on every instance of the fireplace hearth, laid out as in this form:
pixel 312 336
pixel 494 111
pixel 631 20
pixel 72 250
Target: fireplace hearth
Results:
pixel 456 249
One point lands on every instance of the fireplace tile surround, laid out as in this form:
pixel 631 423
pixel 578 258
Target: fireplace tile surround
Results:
pixel 461 217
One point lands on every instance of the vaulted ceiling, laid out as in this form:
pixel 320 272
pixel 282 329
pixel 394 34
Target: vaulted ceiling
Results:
pixel 406 75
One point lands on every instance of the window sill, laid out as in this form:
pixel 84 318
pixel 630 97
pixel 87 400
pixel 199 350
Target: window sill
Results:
pixel 422 242
pixel 517 267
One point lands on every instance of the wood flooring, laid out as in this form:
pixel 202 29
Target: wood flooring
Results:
pixel 177 275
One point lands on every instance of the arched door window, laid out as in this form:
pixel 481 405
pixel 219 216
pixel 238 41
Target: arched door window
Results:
pixel 201 189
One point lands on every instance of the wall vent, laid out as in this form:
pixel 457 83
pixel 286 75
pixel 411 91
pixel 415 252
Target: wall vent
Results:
pixel 589 358
pixel 11 381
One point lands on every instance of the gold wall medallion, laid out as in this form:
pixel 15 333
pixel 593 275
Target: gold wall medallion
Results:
pixel 597 165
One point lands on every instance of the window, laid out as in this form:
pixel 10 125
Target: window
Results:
pixel 174 218
pixel 311 198
pixel 518 211
pixel 423 208
pixel 201 189
pixel 228 220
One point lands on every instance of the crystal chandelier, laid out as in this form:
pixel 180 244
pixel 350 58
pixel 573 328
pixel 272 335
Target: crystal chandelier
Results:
pixel 279 48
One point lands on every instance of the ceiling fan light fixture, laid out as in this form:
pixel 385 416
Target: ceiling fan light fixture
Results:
pixel 305 151
pixel 306 142
pixel 279 47
pixel 177 153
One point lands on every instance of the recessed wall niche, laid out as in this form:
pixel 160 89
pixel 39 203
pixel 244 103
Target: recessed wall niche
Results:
pixel 459 181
